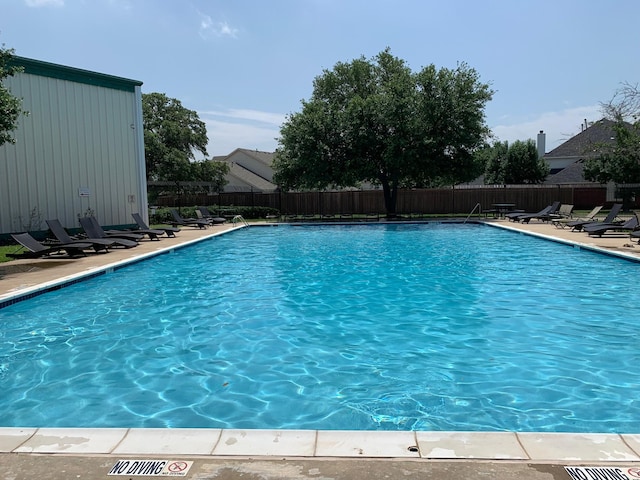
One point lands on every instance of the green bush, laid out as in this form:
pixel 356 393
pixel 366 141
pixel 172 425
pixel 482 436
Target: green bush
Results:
pixel 163 214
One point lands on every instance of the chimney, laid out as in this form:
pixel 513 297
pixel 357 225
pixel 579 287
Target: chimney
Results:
pixel 542 140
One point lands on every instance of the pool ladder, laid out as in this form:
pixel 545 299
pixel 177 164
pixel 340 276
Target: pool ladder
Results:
pixel 239 219
pixel 478 206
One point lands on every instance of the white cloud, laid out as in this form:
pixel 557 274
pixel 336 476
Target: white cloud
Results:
pixel 239 128
pixel 250 115
pixel 218 29
pixel 558 126
pixel 44 3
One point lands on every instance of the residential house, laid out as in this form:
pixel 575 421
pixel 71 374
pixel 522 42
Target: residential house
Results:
pixel 249 171
pixel 566 161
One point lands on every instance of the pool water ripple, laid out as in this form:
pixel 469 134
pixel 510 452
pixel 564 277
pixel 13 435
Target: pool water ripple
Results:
pixel 431 327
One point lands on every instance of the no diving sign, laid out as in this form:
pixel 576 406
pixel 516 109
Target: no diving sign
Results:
pixel 151 468
pixel 603 473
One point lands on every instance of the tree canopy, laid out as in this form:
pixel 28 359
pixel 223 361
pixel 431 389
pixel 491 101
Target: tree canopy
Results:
pixel 619 162
pixel 10 106
pixel 172 136
pixel 377 121
pixel 513 164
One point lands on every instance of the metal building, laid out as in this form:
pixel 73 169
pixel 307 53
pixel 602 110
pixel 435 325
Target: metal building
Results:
pixel 78 151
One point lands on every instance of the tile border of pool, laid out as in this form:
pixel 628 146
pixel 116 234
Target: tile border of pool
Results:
pixel 530 447
pixel 427 445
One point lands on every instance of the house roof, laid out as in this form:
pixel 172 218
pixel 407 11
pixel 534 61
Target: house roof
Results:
pixel 586 143
pixel 251 179
pixel 262 157
pixel 573 173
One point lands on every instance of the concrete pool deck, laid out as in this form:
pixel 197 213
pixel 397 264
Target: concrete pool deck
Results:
pixel 283 454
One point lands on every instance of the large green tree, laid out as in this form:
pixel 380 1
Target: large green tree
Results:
pixel 513 164
pixel 377 121
pixel 10 106
pixel 619 161
pixel 172 136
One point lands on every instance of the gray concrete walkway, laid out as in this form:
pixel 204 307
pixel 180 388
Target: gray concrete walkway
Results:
pixel 28 467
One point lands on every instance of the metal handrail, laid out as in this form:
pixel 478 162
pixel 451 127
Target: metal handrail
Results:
pixel 478 206
pixel 240 219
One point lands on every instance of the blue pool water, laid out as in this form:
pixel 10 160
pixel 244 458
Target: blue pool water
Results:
pixel 423 327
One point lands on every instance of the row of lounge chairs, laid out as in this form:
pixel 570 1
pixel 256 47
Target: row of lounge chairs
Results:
pixel 548 213
pixel 612 223
pixel 204 218
pixel 561 216
pixel 94 238
pixel 99 240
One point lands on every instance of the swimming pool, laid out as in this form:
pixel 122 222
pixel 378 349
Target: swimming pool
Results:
pixel 430 327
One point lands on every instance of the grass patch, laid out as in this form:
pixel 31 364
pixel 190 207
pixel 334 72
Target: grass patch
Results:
pixel 4 249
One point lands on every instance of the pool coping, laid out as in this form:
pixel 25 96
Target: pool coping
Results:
pixel 530 447
pixel 527 447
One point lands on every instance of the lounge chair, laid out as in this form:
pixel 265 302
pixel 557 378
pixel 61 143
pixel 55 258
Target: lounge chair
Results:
pixel 117 233
pixel 187 222
pixel 61 235
pixel 590 217
pixel 565 211
pixel 599 229
pixel 207 215
pixel 170 231
pixel 199 216
pixel 518 216
pixel 152 233
pixel 93 230
pixel 35 249
pixel 610 218
pixel 545 217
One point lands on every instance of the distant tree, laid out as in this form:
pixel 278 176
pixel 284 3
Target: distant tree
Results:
pixel 212 172
pixel 494 159
pixel 513 164
pixel 10 106
pixel 376 121
pixel 172 136
pixel 619 161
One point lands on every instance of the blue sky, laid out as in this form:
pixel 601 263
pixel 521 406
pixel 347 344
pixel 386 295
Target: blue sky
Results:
pixel 243 65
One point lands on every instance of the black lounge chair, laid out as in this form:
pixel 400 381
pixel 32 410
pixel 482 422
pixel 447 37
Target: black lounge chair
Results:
pixel 170 231
pixel 93 230
pixel 599 229
pixel 187 222
pixel 152 233
pixel 610 218
pixel 590 217
pixel 116 233
pixel 207 215
pixel 61 235
pixel 542 214
pixel 35 249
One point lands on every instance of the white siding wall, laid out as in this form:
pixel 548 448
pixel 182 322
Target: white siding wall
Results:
pixel 75 136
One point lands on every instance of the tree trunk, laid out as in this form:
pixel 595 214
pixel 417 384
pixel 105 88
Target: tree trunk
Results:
pixel 390 198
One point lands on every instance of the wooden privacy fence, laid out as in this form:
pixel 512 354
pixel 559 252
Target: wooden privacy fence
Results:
pixel 457 200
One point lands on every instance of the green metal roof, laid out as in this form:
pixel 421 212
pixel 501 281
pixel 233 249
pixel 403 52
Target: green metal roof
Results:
pixel 52 70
